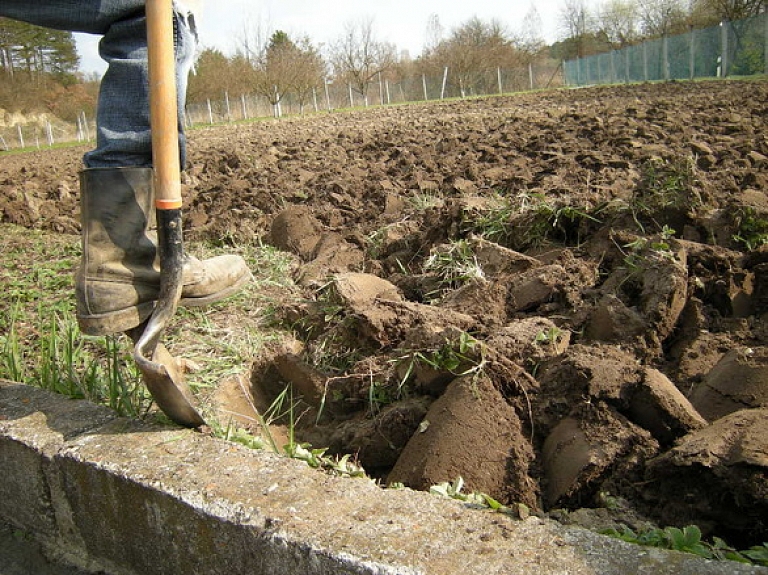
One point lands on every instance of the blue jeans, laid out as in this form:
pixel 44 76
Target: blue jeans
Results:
pixel 124 137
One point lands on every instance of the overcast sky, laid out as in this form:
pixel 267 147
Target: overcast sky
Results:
pixel 401 22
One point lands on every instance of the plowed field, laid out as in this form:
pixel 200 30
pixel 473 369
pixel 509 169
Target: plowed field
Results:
pixel 561 297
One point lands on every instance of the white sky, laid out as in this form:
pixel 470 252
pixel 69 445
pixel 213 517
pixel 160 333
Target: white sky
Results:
pixel 401 22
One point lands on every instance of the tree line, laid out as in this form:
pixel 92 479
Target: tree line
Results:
pixel 614 24
pixel 29 49
pixel 39 72
pixel 274 65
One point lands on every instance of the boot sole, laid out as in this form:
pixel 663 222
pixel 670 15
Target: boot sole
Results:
pixel 126 319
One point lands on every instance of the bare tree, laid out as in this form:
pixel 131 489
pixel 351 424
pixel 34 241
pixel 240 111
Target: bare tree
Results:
pixel 253 38
pixel 577 22
pixel 308 71
pixel 620 22
pixel 713 11
pixel 434 33
pixel 474 52
pixel 531 38
pixel 663 17
pixel 284 67
pixel 358 57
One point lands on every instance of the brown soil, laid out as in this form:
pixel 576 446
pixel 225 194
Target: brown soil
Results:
pixel 607 338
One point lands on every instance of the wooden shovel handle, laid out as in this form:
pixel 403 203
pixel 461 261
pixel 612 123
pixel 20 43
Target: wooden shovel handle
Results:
pixel 163 105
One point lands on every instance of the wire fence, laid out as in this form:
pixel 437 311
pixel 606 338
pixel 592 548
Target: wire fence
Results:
pixel 729 49
pixel 738 48
pixel 327 97
pixel 44 133
pixel 380 92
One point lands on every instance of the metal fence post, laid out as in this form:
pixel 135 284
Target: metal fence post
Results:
pixel 85 127
pixel 665 58
pixel 445 81
pixel 765 43
pixel 626 64
pixel 277 109
pixel 578 71
pixel 691 53
pixel 724 49
pixel 645 61
pixel 599 61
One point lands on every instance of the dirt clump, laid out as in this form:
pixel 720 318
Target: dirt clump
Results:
pixel 470 431
pixel 560 297
pixel 738 381
pixel 587 448
pixel 717 476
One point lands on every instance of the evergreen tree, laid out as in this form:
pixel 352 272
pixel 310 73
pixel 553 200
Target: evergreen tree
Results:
pixel 32 49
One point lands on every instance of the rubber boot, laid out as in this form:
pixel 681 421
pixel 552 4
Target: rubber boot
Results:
pixel 118 281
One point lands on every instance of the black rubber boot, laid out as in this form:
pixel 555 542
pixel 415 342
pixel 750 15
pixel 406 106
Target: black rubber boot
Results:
pixel 119 276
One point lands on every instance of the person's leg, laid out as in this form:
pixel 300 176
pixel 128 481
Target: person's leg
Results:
pixel 90 16
pixel 118 279
pixel 117 283
pixel 123 131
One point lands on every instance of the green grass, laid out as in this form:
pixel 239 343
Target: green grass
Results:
pixel 689 540
pixel 329 333
pixel 461 356
pixel 284 407
pixel 665 185
pixel 43 147
pixel 751 228
pixel 455 264
pixel 530 220
pixel 41 344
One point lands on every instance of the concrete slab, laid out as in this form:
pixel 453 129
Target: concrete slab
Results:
pixel 111 494
pixel 20 554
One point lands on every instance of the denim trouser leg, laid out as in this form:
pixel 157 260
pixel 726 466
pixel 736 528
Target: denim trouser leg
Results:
pixel 124 137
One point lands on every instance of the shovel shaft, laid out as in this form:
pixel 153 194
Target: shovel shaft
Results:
pixel 158 367
pixel 164 115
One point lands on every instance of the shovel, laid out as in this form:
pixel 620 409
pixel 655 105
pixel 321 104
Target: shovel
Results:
pixel 159 369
